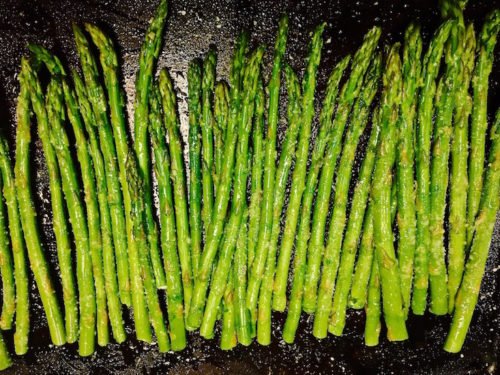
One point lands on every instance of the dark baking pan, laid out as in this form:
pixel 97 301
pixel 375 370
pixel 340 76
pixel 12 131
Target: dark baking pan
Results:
pixel 193 25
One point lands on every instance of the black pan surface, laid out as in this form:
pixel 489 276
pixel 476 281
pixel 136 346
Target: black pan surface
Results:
pixel 192 27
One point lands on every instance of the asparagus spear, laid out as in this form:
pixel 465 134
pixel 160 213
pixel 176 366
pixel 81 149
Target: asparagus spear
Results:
pixel 479 124
pixel 405 161
pixel 373 307
pixel 458 174
pixel 97 99
pixel 195 183
pixel 282 172
pixel 138 216
pixel 175 308
pixel 5 361
pixel 266 212
pixel 39 266
pixel 178 178
pixel 445 103
pixel 238 204
pixel 257 169
pixel 7 272
pixel 430 70
pixel 150 51
pixel 331 257
pixel 71 188
pixel 110 67
pixel 228 337
pixel 18 251
pixel 474 270
pixel 101 248
pixel 381 195
pixel 223 190
pixel 299 183
pixel 221 113
pixel 350 91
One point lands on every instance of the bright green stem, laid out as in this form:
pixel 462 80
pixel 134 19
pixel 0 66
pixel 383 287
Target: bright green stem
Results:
pixel 373 308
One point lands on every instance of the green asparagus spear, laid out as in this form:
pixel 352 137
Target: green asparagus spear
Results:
pixel 150 51
pixel 110 67
pixel 195 183
pixel 5 361
pixel 97 98
pixel 331 257
pixel 238 205
pixel 373 307
pixel 257 170
pixel 282 172
pixel 228 337
pixel 138 216
pixel 221 113
pixel 223 190
pixel 27 212
pixel 405 161
pixel 266 212
pixel 430 70
pixel 178 177
pixel 18 251
pixel 175 308
pixel 474 270
pixel 445 103
pixel 300 184
pixel 479 124
pixel 349 93
pixel 381 195
pixel 458 174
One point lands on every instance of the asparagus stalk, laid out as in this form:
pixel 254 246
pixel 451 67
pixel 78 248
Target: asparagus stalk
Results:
pixel 116 101
pixel 381 195
pixel 175 308
pixel 238 205
pixel 479 123
pixel 282 172
pixel 36 254
pixel 373 308
pixel 97 99
pixel 150 51
pixel 223 191
pixel 474 270
pixel 350 91
pixel 221 114
pixel 458 174
pixel 298 184
pixel 405 161
pixel 266 211
pixel 178 177
pixel 331 258
pixel 195 182
pixel 430 70
pixel 228 337
pixel 5 361
pixel 18 251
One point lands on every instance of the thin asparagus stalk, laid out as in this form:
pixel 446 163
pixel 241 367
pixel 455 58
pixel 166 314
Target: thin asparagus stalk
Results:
pixel 300 184
pixel 101 248
pixel 266 212
pixel 405 161
pixel 257 169
pixel 373 308
pixel 138 216
pixel 116 101
pixel 445 104
pixel 18 251
pixel 458 174
pixel 221 114
pixel 331 257
pixel 175 308
pixel 381 194
pixel 349 93
pixel 97 99
pixel 36 254
pixel 238 205
pixel 430 70
pixel 195 165
pixel 223 190
pixel 71 188
pixel 150 51
pixel 178 177
pixel 228 337
pixel 282 172
pixel 5 361
pixel 479 122
pixel 474 270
